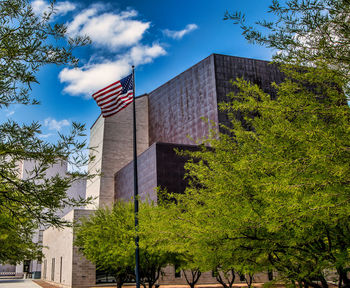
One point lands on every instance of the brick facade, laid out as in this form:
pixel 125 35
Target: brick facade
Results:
pixel 159 166
pixel 176 107
pixel 227 68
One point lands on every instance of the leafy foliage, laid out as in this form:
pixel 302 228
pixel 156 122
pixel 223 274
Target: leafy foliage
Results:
pixel 305 31
pixel 165 226
pixel 107 239
pixel 16 239
pixel 27 43
pixel 282 189
pixel 276 197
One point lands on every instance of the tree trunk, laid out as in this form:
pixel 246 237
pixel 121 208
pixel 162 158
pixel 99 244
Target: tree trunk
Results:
pixel 249 281
pixel 308 283
pixel 195 274
pixel 227 283
pixel 120 279
pixel 220 280
pixel 343 278
pixel 119 284
pixel 323 282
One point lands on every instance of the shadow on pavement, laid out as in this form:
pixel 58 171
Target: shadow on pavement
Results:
pixel 12 281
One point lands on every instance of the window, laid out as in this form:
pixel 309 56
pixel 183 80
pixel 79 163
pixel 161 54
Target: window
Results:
pixel 177 271
pixel 26 266
pixel 103 276
pixel 270 275
pixel 40 237
pixel 61 270
pixel 45 268
pixel 53 270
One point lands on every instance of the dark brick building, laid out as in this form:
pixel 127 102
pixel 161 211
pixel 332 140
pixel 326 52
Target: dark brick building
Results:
pixel 176 111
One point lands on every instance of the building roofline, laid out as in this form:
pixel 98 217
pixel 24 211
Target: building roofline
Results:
pixel 178 75
pixel 95 121
pixel 239 57
pixel 211 55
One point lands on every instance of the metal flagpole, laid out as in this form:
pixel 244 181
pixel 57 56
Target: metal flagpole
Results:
pixel 136 193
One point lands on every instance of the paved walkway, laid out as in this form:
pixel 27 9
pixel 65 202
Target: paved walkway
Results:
pixel 45 284
pixel 17 283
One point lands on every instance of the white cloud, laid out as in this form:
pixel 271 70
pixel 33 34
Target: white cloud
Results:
pixel 44 136
pixel 10 113
pixel 60 8
pixel 179 34
pixel 112 30
pixel 64 7
pixel 92 77
pixel 53 124
pixel 145 54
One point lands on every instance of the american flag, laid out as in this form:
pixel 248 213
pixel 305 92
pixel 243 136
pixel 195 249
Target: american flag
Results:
pixel 115 97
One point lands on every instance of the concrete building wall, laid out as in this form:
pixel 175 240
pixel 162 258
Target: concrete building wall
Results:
pixel 26 170
pixel 170 166
pixel 158 166
pixel 176 108
pixel 114 138
pixel 7 268
pixel 59 250
pixel 83 271
pixel 76 190
pixel 28 166
pixel 63 264
pixel 95 145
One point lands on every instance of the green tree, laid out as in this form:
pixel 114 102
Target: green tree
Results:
pixel 27 43
pixel 277 196
pixel 107 239
pixel 314 35
pixel 16 239
pixel 304 31
pixel 198 225
pixel 196 228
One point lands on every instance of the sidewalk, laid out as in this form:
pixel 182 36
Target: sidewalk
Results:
pixel 17 283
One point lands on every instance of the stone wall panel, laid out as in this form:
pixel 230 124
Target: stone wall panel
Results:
pixel 177 107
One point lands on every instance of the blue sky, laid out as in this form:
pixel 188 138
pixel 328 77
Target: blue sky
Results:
pixel 161 37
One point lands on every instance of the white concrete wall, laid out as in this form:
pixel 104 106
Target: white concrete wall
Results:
pixel 112 138
pixel 26 170
pixel 95 145
pixel 28 167
pixel 7 268
pixel 58 243
pixel 76 190
pixel 75 270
